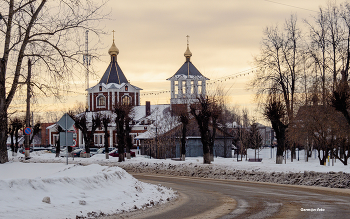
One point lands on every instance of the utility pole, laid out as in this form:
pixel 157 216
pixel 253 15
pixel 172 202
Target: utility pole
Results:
pixel 33 129
pixel 87 62
pixel 27 137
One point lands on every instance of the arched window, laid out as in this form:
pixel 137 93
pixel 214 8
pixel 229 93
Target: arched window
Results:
pixel 101 101
pixel 126 100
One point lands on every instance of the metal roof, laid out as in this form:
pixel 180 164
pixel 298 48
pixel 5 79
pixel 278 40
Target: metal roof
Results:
pixel 188 69
pixel 113 73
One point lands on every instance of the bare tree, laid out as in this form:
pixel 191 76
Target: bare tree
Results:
pixel 58 144
pixel 106 120
pixel 128 126
pixel 275 112
pixel 122 122
pixel 88 123
pixel 16 124
pixel 183 118
pixel 255 139
pixel 280 69
pixel 206 113
pixel 45 31
pixel 182 115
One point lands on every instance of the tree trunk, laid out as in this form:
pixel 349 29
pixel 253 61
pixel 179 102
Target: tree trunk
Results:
pixel 121 157
pixel 106 142
pixel 16 144
pixel 342 152
pixel 294 152
pixel 3 104
pixel 3 131
pixel 280 147
pixel 279 159
pixel 183 141
pixel 58 148
pixel 206 158
pixel 255 153
pixel 12 144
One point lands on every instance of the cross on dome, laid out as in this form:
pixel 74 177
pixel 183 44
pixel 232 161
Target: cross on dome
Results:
pixel 113 51
pixel 188 53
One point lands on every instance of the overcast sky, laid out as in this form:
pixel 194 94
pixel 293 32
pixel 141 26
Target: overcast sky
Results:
pixel 225 35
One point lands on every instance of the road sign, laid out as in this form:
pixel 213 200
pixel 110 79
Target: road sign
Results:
pixel 27 131
pixel 74 143
pixel 63 139
pixel 66 122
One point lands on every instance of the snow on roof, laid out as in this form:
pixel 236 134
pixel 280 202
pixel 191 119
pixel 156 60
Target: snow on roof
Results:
pixel 54 128
pixel 188 70
pixel 114 86
pixel 163 122
pixel 157 112
pixel 160 117
pixel 51 126
pixel 146 135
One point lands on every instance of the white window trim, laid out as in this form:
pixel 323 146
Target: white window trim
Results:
pixel 103 106
pixel 98 139
pixel 126 94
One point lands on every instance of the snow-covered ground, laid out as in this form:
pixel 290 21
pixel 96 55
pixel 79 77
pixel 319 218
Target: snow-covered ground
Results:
pixel 268 163
pixel 100 186
pixel 74 190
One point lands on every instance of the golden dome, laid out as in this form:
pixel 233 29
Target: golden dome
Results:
pixel 188 52
pixel 113 50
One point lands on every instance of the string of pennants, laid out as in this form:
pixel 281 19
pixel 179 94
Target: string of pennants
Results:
pixel 215 81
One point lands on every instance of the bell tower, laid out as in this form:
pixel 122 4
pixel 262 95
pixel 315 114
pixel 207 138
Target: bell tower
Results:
pixel 187 84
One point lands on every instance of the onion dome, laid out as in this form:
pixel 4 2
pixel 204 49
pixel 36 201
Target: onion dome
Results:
pixel 188 53
pixel 113 51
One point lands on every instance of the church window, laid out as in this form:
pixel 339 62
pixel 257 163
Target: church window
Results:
pixel 101 101
pixel 176 88
pixel 126 88
pixel 100 88
pixel 192 87
pixel 126 100
pixel 199 87
pixel 184 88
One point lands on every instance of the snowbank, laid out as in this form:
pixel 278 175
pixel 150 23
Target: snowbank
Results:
pixel 308 178
pixel 268 163
pixel 73 190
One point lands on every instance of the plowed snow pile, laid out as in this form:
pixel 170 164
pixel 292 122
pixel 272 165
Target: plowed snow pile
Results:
pixel 74 190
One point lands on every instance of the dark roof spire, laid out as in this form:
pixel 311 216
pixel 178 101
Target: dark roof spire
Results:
pixel 188 69
pixel 113 74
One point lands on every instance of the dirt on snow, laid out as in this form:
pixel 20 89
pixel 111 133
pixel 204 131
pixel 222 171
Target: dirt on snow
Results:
pixel 307 178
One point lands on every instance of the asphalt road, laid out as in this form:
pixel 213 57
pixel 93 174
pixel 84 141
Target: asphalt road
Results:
pixel 212 198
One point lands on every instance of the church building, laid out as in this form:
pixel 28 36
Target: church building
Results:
pixel 186 84
pixel 113 87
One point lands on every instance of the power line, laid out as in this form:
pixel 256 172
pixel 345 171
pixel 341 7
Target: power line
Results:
pixel 291 6
pixel 211 82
